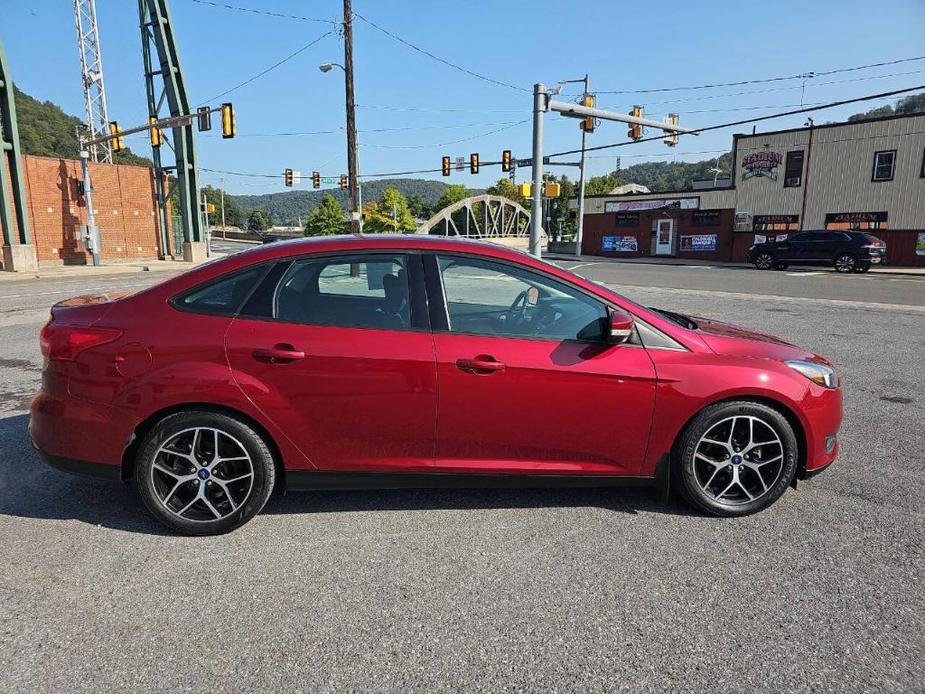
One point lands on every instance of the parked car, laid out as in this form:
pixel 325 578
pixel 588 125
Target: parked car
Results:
pixel 846 251
pixel 315 364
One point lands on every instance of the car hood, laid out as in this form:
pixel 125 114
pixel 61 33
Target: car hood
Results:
pixel 726 338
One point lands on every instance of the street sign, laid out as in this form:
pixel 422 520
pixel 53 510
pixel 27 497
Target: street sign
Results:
pixel 460 163
pixel 330 180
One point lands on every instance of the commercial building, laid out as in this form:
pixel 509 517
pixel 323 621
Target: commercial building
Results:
pixel 865 175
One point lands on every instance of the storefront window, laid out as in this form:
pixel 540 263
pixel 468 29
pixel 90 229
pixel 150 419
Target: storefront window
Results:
pixel 856 221
pixel 776 222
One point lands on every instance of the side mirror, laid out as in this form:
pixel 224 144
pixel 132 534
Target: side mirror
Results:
pixel 619 327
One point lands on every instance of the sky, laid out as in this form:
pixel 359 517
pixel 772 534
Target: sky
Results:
pixel 412 108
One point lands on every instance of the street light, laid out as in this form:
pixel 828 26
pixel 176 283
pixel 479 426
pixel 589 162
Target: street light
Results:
pixel 353 156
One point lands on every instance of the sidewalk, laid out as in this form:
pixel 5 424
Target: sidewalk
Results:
pixel 654 260
pixel 109 267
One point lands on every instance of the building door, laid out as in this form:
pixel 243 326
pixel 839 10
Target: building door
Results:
pixel 664 237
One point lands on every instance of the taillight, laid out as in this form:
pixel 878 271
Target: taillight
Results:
pixel 66 342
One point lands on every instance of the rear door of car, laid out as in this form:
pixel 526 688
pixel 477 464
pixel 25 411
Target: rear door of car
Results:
pixel 526 383
pixel 791 249
pixel 337 351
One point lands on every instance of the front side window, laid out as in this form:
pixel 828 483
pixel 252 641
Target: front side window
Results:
pixel 353 292
pixel 884 165
pixel 486 298
pixel 221 297
pixel 793 169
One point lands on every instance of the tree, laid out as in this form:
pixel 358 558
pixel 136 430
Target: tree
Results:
pixel 259 221
pixel 391 213
pixel 505 188
pixel 326 219
pixel 419 207
pixel 602 185
pixel 451 194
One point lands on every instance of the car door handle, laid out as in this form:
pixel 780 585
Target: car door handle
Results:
pixel 279 354
pixel 482 364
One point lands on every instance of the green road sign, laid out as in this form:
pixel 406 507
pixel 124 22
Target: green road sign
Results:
pixel 329 180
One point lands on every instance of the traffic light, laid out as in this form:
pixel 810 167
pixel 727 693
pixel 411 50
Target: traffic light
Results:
pixel 157 136
pixel 552 189
pixel 445 166
pixel 635 130
pixel 118 142
pixel 229 126
pixel 316 180
pixel 474 163
pixel 587 124
pixel 506 160
pixel 204 115
pixel 526 190
pixel 671 139
pixel 343 182
pixel 287 177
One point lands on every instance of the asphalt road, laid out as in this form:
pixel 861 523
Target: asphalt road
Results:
pixel 496 590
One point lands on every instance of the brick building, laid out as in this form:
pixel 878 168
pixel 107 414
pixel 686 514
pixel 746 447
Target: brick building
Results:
pixel 867 175
pixel 125 207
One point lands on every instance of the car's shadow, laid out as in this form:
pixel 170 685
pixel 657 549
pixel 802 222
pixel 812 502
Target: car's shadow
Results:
pixel 31 489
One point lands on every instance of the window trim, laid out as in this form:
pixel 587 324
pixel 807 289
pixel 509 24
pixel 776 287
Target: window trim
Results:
pixel 873 173
pixel 435 285
pixel 175 301
pixel 922 170
pixel 802 154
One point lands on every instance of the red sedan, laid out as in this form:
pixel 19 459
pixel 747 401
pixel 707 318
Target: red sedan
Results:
pixel 358 362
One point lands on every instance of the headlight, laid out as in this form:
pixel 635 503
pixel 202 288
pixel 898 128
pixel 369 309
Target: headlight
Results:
pixel 824 376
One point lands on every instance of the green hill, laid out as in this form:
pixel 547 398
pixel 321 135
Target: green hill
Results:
pixel 47 131
pixel 286 208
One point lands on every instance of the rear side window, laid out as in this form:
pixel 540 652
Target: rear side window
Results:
pixel 351 292
pixel 222 296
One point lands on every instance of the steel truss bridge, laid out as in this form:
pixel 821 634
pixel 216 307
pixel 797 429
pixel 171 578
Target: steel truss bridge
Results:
pixel 485 216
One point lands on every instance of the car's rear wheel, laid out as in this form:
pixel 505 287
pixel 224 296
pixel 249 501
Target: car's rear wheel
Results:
pixel 845 262
pixel 764 261
pixel 204 473
pixel 736 458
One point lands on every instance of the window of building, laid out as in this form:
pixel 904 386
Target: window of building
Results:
pixel 485 298
pixel 922 172
pixel 884 165
pixel 793 169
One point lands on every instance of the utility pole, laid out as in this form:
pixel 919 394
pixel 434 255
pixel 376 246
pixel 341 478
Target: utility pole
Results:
pixel 92 236
pixel 352 166
pixel 536 208
pixel 581 184
pixel 91 70
pixel 805 181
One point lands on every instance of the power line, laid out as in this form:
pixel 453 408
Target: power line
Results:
pixel 806 75
pixel 402 128
pixel 696 131
pixel 440 110
pixel 451 142
pixel 272 67
pixel 278 15
pixel 436 57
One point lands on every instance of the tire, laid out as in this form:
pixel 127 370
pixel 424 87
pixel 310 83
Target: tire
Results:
pixel 744 480
pixel 845 262
pixel 191 490
pixel 764 261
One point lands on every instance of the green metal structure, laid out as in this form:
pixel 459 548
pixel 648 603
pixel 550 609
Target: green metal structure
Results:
pixel 158 42
pixel 12 156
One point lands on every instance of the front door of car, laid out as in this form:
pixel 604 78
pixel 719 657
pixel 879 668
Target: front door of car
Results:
pixel 338 354
pixel 526 384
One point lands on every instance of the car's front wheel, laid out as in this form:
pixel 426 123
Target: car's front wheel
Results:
pixel 203 473
pixel 736 458
pixel 764 261
pixel 845 262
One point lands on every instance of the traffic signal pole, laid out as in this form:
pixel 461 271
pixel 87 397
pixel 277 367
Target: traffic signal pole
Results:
pixel 536 208
pixel 581 184
pixel 352 160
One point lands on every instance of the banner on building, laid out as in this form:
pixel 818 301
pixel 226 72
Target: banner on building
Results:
pixel 761 165
pixel 920 244
pixel 698 243
pixel 619 244
pixel 657 204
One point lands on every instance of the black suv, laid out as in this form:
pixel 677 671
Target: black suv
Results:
pixel 846 251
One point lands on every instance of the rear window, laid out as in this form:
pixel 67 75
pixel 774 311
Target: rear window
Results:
pixel 222 296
